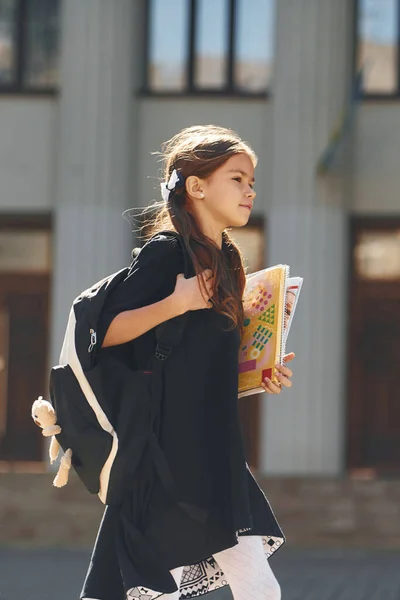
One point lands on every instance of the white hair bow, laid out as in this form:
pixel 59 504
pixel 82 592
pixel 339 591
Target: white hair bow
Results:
pixel 175 181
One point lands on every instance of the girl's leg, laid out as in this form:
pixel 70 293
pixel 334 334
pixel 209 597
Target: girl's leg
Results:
pixel 142 593
pixel 247 570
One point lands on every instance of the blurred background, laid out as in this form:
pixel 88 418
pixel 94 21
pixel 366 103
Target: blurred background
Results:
pixel 89 89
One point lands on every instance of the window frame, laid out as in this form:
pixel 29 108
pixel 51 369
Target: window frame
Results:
pixel 376 96
pixel 191 89
pixel 18 86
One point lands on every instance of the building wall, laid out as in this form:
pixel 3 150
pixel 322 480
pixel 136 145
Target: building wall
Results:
pixel 376 176
pixel 29 142
pixel 36 167
pixel 28 148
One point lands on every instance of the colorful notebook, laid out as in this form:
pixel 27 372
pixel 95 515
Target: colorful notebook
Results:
pixel 270 299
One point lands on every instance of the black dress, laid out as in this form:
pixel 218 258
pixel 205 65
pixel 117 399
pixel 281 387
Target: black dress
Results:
pixel 201 438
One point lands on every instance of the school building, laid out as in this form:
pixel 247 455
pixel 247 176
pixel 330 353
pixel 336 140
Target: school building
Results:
pixel 90 89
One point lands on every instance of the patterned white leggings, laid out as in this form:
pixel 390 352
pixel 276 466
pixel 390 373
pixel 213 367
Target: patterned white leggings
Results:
pixel 246 570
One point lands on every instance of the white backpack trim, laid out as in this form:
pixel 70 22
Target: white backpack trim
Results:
pixel 69 357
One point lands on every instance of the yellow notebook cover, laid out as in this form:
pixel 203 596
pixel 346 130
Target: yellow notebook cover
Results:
pixel 262 344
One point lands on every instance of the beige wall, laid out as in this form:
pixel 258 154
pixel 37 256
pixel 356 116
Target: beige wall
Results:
pixel 160 119
pixel 28 148
pixel 376 176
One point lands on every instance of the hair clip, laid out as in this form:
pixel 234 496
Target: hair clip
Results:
pixel 175 181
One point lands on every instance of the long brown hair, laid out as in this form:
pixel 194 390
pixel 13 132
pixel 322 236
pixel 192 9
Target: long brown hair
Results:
pixel 201 150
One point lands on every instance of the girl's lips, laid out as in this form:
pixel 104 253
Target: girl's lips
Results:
pixel 248 206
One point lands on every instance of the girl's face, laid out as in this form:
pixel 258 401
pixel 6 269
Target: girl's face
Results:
pixel 225 199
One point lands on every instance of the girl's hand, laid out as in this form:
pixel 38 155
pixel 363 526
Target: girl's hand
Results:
pixel 283 374
pixel 190 296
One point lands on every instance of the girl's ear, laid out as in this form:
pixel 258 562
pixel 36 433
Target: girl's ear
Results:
pixel 194 187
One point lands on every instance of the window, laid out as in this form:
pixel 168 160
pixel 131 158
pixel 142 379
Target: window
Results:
pixel 7 41
pixel 166 70
pixel 378 46
pixel 377 255
pixel 209 46
pixel 29 45
pixel 254 44
pixel 25 251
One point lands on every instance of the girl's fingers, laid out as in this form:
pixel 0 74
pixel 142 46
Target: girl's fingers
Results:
pixel 284 381
pixel 289 357
pixel 274 388
pixel 284 370
pixel 270 387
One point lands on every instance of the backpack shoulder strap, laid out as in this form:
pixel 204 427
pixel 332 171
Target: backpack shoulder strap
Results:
pixel 169 334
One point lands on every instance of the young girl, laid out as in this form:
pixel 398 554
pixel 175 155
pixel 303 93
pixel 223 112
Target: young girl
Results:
pixel 208 188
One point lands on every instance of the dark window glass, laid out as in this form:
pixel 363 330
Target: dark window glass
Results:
pixel 211 53
pixel 169 22
pixel 42 43
pixel 7 41
pixel 255 28
pixel 378 45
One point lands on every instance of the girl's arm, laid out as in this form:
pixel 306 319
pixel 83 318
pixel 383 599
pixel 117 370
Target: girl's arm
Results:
pixel 131 324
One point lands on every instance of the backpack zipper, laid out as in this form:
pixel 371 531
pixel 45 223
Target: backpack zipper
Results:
pixel 93 340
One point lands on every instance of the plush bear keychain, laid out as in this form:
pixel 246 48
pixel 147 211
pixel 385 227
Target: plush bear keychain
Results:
pixel 45 417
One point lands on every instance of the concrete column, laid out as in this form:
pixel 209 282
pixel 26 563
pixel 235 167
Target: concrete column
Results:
pixel 97 122
pixel 303 430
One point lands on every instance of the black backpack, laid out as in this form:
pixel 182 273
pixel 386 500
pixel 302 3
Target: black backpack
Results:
pixel 107 443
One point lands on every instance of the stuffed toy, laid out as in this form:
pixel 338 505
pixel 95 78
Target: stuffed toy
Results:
pixel 45 417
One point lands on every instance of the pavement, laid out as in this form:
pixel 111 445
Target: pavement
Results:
pixel 57 574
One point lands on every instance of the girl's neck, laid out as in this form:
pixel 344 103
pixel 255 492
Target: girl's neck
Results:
pixel 213 231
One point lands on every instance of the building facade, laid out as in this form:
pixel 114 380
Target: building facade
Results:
pixel 91 90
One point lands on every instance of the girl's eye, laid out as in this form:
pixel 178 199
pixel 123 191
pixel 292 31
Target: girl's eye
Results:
pixel 239 179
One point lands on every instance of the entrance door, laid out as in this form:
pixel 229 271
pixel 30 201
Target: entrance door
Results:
pixel 374 357
pixel 24 308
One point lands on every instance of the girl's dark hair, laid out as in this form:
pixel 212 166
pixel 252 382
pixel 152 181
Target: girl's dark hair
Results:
pixel 201 150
